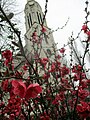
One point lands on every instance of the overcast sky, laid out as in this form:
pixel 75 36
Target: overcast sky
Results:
pixel 58 13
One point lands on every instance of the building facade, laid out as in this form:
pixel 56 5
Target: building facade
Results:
pixel 38 36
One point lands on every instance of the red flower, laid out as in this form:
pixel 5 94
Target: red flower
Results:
pixel 34 34
pixel 8 58
pixel 64 71
pixel 83 93
pixel 53 67
pixel 7 54
pixel 43 29
pixel 62 50
pixel 77 68
pixel 13 107
pixel 83 109
pixel 46 75
pixel 5 85
pixel 25 67
pixel 19 88
pixel 88 33
pixel 84 28
pixel 44 61
pixel 45 118
pixel 88 82
pixel 33 90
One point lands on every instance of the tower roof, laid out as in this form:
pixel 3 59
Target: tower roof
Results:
pixel 30 0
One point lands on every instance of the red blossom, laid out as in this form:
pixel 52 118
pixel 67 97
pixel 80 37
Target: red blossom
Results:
pixel 46 75
pixel 43 29
pixel 5 85
pixel 83 109
pixel 44 118
pixel 25 67
pixel 44 61
pixel 19 88
pixel 35 33
pixel 76 77
pixel 88 33
pixel 64 71
pixel 34 36
pixel 85 28
pixel 53 67
pixel 58 56
pixel 13 107
pixel 60 97
pixel 83 94
pixel 88 82
pixel 77 68
pixel 62 50
pixel 7 54
pixel 84 84
pixel 33 90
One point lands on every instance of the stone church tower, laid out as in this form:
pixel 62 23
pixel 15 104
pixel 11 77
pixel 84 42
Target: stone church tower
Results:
pixel 33 21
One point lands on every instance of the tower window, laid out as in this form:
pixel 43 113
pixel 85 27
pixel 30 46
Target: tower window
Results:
pixel 29 20
pixel 39 18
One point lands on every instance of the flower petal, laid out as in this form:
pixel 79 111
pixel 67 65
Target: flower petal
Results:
pixel 33 90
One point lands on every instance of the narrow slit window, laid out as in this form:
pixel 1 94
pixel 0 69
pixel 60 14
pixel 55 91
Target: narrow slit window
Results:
pixel 38 18
pixel 30 19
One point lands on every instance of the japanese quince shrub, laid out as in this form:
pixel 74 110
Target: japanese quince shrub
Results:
pixel 47 93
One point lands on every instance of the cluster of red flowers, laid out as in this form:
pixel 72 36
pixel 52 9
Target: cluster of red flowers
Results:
pixel 18 88
pixel 8 56
pixel 86 31
pixel 35 38
pixel 84 109
pixel 61 92
pixel 13 108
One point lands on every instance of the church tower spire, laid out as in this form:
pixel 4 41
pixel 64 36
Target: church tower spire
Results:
pixel 33 22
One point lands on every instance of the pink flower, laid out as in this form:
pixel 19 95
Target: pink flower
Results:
pixel 33 90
